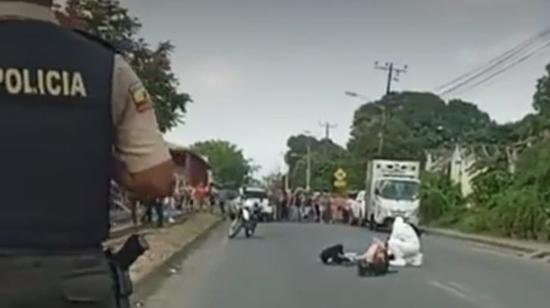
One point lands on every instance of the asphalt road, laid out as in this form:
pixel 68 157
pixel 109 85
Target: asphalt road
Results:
pixel 280 268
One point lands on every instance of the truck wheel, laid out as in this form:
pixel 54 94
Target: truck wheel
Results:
pixel 372 223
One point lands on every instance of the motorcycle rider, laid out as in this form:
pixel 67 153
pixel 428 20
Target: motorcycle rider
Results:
pixel 244 215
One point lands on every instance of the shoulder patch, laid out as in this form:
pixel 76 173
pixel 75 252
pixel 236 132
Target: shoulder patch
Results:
pixel 96 39
pixel 140 97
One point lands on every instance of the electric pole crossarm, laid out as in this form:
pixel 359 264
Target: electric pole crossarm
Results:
pixel 393 73
pixel 327 126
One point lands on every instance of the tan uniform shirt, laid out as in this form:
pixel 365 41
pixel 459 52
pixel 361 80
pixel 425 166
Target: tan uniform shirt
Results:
pixel 139 142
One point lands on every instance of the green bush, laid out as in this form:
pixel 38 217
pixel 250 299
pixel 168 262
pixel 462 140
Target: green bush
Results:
pixel 474 220
pixel 520 214
pixel 512 205
pixel 441 202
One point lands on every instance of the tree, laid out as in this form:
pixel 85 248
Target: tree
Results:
pixel 541 100
pixel 415 122
pixel 274 181
pixel 110 21
pixel 326 158
pixel 229 166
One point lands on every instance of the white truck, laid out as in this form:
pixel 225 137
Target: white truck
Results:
pixel 256 197
pixel 392 190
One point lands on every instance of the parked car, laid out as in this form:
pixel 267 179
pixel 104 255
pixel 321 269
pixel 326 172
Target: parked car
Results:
pixel 357 206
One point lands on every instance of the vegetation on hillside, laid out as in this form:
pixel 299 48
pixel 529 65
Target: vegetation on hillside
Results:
pixel 502 203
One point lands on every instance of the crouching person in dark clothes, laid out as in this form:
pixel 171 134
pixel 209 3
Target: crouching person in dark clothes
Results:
pixel 82 112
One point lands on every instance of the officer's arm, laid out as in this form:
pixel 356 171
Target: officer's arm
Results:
pixel 143 162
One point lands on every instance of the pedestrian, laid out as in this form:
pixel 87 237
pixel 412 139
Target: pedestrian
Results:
pixel 317 207
pixel 326 207
pixel 134 208
pixel 154 208
pixel 188 199
pixel 337 205
pixel 199 197
pixel 178 194
pixel 82 116
pixel 212 197
pixel 169 206
pixel 284 206
pixel 308 207
pixel 298 202
pixel 223 198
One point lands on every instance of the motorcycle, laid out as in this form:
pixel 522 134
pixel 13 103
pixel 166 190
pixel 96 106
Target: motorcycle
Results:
pixel 246 219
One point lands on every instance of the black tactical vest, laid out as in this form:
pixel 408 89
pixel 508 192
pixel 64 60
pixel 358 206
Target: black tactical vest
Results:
pixel 56 137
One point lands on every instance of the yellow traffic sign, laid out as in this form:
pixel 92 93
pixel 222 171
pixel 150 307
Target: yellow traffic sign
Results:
pixel 340 183
pixel 340 175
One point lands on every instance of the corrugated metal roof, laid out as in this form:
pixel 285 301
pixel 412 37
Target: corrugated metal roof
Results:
pixel 183 149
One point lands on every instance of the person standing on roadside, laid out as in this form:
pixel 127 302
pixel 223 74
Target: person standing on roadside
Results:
pixel 326 207
pixel 199 194
pixel 82 117
pixel 284 206
pixel 308 206
pixel 298 203
pixel 316 207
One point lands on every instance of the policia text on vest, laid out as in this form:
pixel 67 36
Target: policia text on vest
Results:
pixel 16 81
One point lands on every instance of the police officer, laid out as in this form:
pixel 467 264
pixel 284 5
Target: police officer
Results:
pixel 69 108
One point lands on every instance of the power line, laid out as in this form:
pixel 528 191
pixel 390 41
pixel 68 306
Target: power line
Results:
pixel 511 56
pixel 504 69
pixel 497 60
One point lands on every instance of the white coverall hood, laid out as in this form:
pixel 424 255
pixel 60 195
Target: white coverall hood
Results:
pixel 404 244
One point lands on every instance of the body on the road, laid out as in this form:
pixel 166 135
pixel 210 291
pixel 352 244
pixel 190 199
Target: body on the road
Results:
pixel 71 109
pixel 373 261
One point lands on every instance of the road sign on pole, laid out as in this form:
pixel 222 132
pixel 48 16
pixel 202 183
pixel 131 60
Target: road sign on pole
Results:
pixel 340 178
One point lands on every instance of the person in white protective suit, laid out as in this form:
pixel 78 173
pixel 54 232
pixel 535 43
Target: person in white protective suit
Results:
pixel 404 245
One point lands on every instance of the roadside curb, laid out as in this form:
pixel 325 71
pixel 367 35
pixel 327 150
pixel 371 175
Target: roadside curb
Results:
pixel 124 231
pixel 530 251
pixel 131 228
pixel 148 284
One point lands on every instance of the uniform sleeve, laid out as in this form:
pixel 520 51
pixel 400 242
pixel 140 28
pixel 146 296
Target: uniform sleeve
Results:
pixel 138 142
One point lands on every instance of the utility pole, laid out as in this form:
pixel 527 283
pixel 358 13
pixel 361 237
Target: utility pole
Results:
pixel 308 168
pixel 393 73
pixel 381 133
pixel 327 126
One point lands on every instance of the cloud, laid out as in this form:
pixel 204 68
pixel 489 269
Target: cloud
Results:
pixel 210 74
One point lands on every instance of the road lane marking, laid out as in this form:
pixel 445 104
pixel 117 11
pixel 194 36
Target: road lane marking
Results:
pixel 460 287
pixel 460 291
pixel 449 289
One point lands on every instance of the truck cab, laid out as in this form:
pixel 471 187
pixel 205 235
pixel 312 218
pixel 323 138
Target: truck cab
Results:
pixel 393 189
pixel 257 198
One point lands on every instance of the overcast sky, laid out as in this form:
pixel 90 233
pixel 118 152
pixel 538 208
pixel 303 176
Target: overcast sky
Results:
pixel 261 70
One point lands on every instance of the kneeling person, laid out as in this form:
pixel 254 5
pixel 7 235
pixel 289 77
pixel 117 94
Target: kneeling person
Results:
pixel 404 245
